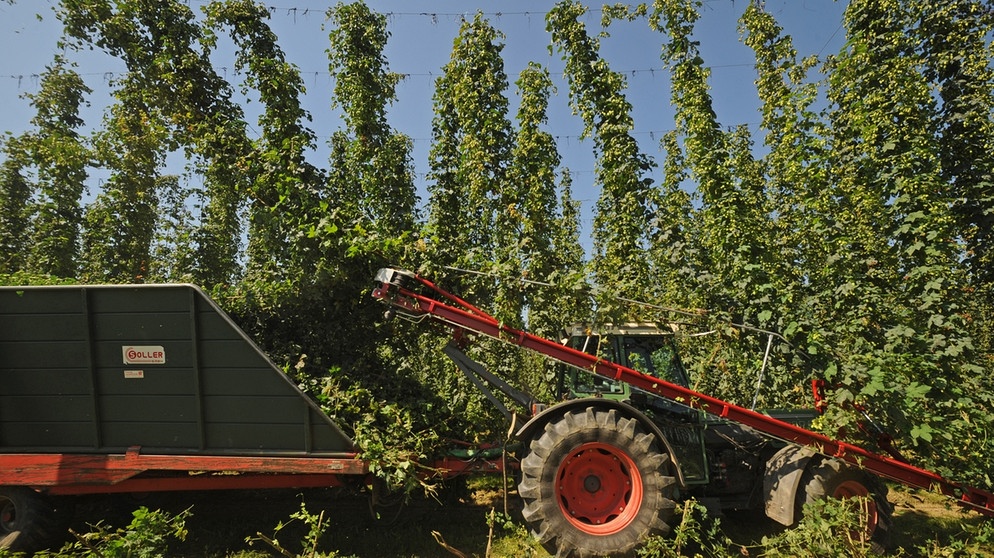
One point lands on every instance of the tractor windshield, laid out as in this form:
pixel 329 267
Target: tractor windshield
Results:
pixel 651 353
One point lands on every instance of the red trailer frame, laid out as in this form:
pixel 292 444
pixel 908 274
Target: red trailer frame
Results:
pixel 74 474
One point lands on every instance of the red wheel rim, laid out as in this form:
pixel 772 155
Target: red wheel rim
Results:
pixel 856 489
pixel 599 489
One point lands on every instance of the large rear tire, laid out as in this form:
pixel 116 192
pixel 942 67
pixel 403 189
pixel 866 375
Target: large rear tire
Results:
pixel 596 483
pixel 29 521
pixel 832 478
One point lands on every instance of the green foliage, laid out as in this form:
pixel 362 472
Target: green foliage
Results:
pixel 285 187
pixel 472 142
pixel 397 399
pixel 956 36
pixel 618 264
pixel 174 249
pixel 492 206
pixel 830 528
pixel 974 541
pixel 147 536
pixel 368 216
pixel 694 534
pixel 845 237
pixel 59 158
pixel 671 250
pixel 396 430
pixel 371 176
pixel 15 215
pixel 19 278
pixel 531 218
pixel 722 248
pixel 317 527
pixel 173 94
pixel 507 537
pixel 910 351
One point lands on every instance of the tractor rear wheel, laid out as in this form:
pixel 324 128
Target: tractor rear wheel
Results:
pixel 29 521
pixel 595 483
pixel 832 478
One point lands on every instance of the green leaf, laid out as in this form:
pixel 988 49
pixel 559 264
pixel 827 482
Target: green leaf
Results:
pixel 922 432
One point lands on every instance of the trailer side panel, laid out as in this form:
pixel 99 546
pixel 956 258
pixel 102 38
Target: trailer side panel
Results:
pixel 100 369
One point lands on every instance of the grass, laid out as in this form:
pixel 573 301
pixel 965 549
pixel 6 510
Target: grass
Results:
pixel 469 522
pixel 934 523
pixel 224 523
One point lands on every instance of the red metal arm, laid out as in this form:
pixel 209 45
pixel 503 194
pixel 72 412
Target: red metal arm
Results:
pixel 417 297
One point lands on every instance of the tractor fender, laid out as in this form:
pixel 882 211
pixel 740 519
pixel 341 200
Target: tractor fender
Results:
pixel 534 426
pixel 781 481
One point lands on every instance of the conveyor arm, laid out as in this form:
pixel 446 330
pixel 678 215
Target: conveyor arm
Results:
pixel 417 298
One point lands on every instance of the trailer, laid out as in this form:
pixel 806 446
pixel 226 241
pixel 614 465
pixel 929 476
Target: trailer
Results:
pixel 603 470
pixel 109 389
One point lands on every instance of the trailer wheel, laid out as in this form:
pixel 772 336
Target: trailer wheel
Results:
pixel 832 478
pixel 595 483
pixel 385 505
pixel 29 521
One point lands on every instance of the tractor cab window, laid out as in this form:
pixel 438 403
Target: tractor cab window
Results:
pixel 589 383
pixel 655 356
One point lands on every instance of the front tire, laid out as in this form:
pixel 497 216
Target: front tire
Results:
pixel 596 483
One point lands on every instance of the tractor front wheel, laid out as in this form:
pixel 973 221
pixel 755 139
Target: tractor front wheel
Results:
pixel 596 483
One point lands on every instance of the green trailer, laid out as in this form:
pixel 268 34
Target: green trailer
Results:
pixel 144 388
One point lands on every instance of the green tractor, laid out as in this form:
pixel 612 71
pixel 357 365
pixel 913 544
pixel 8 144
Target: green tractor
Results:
pixel 604 469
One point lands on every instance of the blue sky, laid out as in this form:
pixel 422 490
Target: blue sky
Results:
pixel 422 32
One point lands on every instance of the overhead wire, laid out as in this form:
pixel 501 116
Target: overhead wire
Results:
pixel 689 313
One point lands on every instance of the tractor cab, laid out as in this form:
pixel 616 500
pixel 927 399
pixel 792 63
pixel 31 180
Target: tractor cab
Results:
pixel 642 347
pixel 651 350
